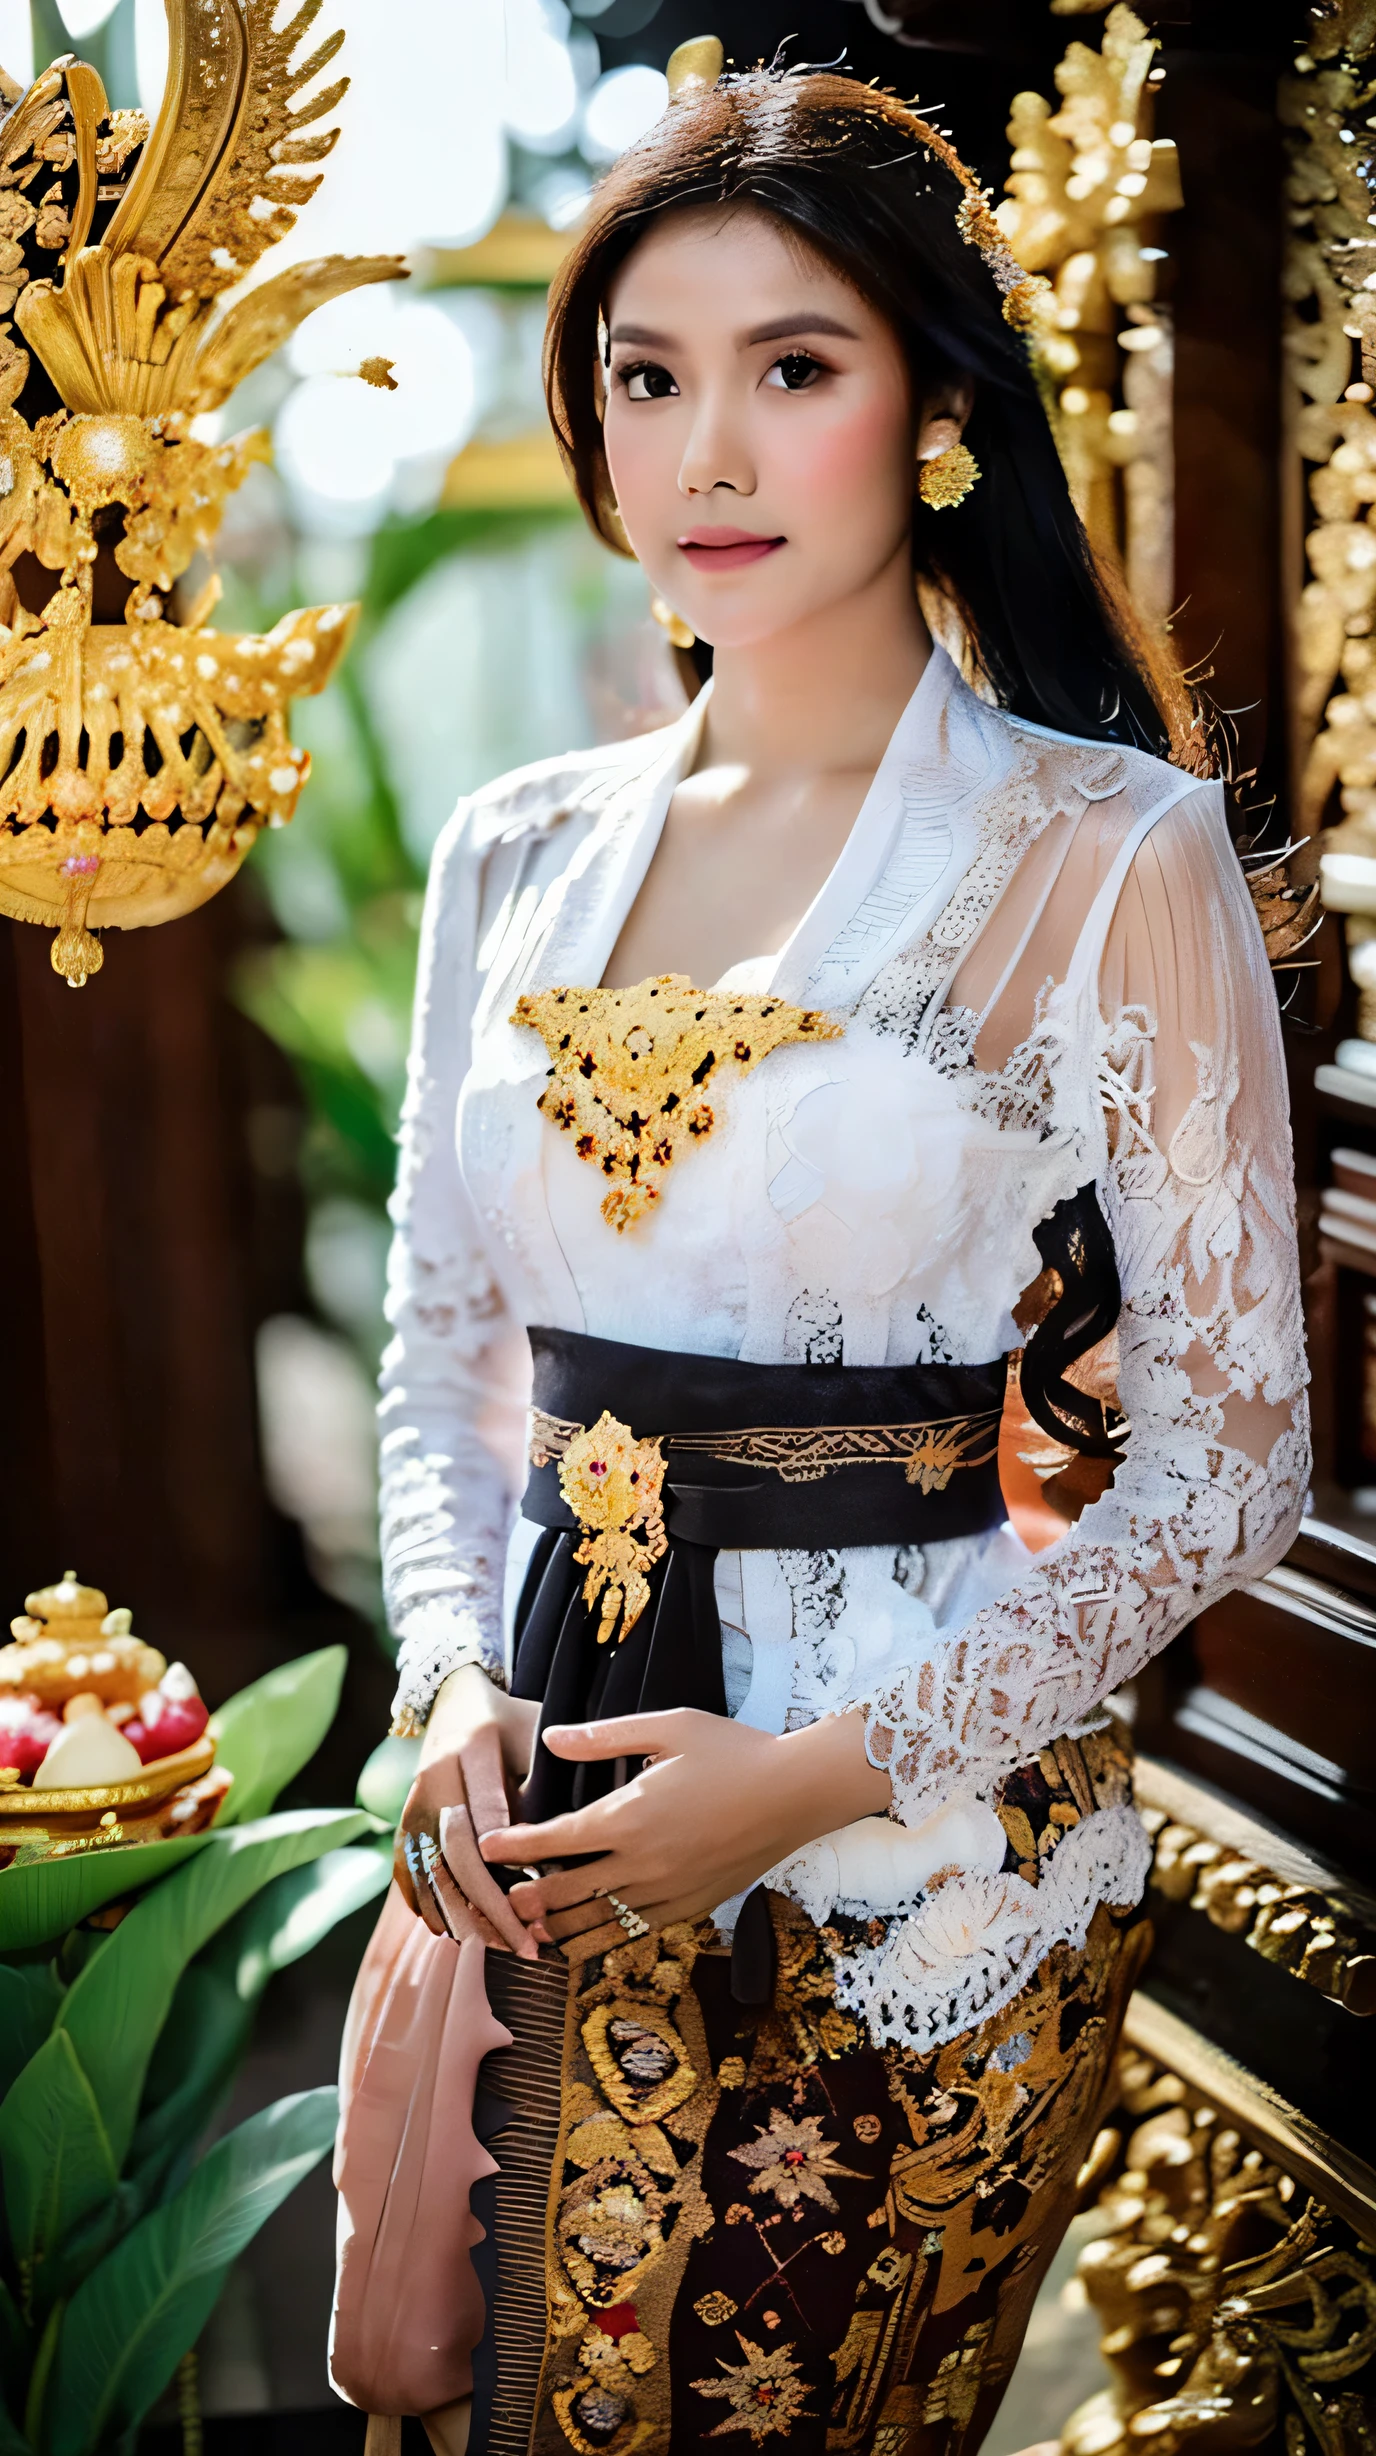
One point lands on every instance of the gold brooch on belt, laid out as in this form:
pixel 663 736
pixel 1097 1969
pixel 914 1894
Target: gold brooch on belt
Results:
pixel 612 1483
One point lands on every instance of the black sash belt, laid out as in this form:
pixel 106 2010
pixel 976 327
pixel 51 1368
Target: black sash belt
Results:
pixel 758 1458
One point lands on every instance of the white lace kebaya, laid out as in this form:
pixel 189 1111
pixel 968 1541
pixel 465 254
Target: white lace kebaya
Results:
pixel 1049 973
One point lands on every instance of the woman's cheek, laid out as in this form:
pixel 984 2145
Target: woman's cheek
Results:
pixel 855 469
pixel 642 461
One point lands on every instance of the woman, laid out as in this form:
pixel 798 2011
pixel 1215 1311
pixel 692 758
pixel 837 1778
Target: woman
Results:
pixel 819 1861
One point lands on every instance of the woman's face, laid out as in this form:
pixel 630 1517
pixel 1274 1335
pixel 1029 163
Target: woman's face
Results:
pixel 760 428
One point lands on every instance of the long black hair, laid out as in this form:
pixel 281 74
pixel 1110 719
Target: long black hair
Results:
pixel 854 172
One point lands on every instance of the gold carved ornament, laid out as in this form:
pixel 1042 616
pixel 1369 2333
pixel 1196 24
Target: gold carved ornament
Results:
pixel 632 1071
pixel 1087 194
pixel 140 751
pixel 1237 2312
pixel 612 1483
pixel 929 1454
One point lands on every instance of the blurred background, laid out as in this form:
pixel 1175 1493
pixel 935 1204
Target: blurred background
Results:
pixel 196 1154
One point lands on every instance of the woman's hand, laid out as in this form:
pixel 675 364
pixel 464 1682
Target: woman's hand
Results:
pixel 473 1760
pixel 716 1807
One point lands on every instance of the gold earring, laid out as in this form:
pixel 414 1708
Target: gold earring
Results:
pixel 947 478
pixel 679 633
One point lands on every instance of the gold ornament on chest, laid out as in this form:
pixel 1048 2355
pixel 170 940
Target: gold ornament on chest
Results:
pixel 635 1071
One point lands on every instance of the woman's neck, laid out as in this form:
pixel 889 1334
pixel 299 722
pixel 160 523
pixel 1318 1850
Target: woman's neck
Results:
pixel 827 693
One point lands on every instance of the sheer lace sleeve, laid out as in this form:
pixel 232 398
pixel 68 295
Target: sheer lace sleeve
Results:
pixel 452 1405
pixel 1188 1138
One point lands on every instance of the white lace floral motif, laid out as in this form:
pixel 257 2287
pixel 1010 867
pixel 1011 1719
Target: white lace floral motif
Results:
pixel 975 1940
pixel 1211 1371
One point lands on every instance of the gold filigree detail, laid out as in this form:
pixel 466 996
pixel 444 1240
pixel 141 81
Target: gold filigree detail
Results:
pixel 142 755
pixel 612 1483
pixel 550 1437
pixel 929 1454
pixel 632 1070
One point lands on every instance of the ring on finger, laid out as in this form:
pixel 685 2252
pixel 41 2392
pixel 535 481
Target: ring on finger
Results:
pixel 630 1919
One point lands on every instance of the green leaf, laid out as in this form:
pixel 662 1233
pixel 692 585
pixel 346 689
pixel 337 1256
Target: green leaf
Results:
pixel 125 2330
pixel 114 2011
pixel 387 1777
pixel 212 2011
pixel 43 1901
pixel 270 1730
pixel 14 2355
pixel 29 2001
pixel 54 2152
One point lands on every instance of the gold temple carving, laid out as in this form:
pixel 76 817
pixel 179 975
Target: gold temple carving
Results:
pixel 140 751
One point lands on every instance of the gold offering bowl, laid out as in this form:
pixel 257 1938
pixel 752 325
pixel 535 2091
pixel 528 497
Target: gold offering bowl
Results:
pixel 72 1812
pixel 73 1626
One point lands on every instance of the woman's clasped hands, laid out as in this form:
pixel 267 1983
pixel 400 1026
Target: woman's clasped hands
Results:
pixel 715 1806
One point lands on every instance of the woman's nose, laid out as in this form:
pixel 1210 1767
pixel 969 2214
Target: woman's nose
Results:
pixel 717 453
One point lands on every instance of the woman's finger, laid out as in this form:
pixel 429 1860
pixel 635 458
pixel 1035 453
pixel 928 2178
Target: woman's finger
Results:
pixel 625 1735
pixel 581 1920
pixel 564 1837
pixel 484 1779
pixel 559 1888
pixel 458 1844
pixel 460 1917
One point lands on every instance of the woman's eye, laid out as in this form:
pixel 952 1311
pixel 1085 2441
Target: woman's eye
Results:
pixel 648 383
pixel 795 372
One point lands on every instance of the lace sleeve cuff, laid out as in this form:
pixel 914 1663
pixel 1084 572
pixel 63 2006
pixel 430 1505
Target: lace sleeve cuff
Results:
pixel 438 1639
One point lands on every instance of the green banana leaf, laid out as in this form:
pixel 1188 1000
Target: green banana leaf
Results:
pixel 58 2168
pixel 29 1999
pixel 46 1899
pixel 126 2328
pixel 212 2013
pixel 271 1729
pixel 112 2013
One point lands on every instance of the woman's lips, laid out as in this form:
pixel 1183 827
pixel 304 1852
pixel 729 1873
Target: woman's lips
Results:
pixel 725 549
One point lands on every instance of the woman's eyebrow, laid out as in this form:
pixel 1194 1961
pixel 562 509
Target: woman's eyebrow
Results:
pixel 784 327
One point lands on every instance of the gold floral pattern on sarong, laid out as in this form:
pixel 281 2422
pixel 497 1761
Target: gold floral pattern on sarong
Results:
pixel 766 2230
pixel 632 1071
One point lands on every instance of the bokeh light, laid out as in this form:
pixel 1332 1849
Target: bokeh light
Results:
pixel 621 106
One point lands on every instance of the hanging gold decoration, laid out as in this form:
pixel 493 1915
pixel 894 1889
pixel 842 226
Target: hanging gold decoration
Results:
pixel 140 751
pixel 1087 190
pixel 613 1484
pixel 633 1070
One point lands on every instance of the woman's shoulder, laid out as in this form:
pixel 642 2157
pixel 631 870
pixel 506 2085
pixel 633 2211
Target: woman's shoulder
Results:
pixel 1122 773
pixel 546 794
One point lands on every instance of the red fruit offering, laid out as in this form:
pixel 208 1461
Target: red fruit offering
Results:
pixel 169 1718
pixel 27 1731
